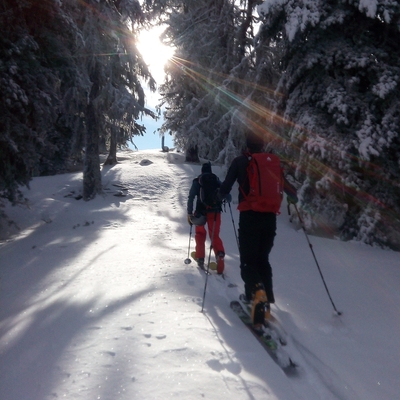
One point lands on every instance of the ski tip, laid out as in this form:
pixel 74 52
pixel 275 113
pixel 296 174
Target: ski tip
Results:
pixel 337 313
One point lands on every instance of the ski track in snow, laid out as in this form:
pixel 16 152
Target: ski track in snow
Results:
pixel 98 304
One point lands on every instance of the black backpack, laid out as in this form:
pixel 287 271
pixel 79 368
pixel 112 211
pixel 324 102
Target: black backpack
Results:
pixel 209 184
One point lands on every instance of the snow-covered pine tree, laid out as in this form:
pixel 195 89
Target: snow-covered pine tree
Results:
pixel 125 97
pixel 340 65
pixel 32 50
pixel 116 97
pixel 54 57
pixel 251 83
pixel 210 39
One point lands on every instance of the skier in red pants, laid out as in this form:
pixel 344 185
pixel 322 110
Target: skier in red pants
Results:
pixel 210 215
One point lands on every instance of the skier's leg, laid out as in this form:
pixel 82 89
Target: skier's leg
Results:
pixel 218 246
pixel 200 238
pixel 266 244
pixel 248 243
pixel 213 224
pixel 217 242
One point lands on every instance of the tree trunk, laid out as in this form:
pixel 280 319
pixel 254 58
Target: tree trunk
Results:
pixel 192 155
pixel 91 167
pixel 112 154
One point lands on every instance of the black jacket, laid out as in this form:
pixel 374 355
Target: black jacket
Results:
pixel 200 207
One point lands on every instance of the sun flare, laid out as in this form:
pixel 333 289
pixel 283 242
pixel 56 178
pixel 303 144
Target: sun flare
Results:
pixel 155 53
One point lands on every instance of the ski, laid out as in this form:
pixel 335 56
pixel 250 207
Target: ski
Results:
pixel 213 264
pixel 272 346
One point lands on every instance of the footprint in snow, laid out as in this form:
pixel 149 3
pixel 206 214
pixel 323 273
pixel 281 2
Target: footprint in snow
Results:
pixel 146 162
pixel 110 353
pixel 160 337
pixel 126 328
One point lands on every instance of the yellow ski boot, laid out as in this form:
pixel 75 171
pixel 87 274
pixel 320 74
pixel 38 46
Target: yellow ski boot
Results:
pixel 261 310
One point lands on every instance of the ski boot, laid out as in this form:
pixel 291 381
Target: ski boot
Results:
pixel 261 310
pixel 200 262
pixel 220 262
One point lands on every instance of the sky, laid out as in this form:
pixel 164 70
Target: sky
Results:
pixel 156 55
pixel 152 139
pixel 96 301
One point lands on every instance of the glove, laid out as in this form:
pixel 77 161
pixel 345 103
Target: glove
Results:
pixel 219 197
pixel 292 199
pixel 228 198
pixel 189 216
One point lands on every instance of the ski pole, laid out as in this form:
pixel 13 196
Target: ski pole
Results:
pixel 315 258
pixel 234 227
pixel 209 259
pixel 188 260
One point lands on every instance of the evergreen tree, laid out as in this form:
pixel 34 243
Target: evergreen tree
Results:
pixel 55 56
pixel 30 92
pixel 339 96
pixel 250 85
pixel 203 84
pixel 116 97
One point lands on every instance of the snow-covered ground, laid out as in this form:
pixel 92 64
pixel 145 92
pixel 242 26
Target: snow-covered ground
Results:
pixel 97 303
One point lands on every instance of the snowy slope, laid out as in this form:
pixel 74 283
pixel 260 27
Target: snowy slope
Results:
pixel 96 302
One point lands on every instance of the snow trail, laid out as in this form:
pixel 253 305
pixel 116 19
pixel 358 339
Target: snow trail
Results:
pixel 96 302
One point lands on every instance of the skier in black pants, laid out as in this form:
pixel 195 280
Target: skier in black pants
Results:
pixel 256 239
pixel 257 230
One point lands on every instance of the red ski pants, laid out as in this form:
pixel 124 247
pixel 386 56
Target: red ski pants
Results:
pixel 213 222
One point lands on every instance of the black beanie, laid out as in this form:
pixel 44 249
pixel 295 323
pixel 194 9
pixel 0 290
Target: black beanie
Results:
pixel 206 167
pixel 254 142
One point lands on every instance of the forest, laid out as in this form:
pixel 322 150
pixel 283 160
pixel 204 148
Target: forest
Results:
pixel 319 79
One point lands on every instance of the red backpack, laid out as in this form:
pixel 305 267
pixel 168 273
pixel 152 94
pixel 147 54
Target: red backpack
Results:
pixel 265 176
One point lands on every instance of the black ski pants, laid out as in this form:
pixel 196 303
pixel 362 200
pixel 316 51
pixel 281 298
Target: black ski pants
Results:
pixel 256 238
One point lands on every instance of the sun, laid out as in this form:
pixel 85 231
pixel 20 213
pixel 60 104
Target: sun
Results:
pixel 155 53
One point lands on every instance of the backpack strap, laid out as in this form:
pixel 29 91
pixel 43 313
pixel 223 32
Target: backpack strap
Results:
pixel 249 156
